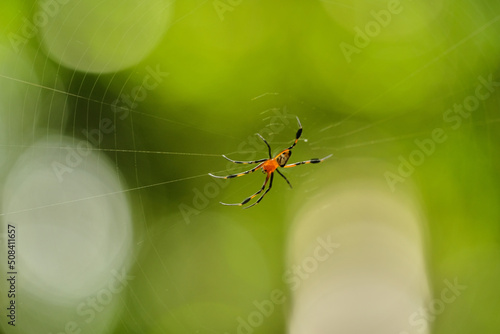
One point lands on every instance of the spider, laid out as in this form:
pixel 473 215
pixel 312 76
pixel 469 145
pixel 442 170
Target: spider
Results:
pixel 269 166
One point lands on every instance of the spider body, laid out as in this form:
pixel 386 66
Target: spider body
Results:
pixel 269 166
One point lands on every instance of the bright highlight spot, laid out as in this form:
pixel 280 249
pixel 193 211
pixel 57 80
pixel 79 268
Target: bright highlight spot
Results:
pixel 74 237
pixel 102 36
pixel 357 253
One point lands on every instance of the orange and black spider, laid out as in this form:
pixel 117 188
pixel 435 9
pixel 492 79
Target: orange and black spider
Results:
pixel 269 166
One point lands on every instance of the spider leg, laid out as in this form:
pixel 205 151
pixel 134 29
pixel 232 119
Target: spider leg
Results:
pixel 312 161
pixel 264 194
pixel 245 162
pixel 297 135
pixel 246 200
pixel 285 178
pixel 269 147
pixel 237 175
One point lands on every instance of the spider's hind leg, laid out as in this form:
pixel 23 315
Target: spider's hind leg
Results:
pixel 248 199
pixel 264 194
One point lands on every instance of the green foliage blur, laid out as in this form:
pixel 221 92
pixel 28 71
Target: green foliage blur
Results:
pixel 364 85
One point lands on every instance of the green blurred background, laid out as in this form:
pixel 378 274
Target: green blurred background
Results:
pixel 369 80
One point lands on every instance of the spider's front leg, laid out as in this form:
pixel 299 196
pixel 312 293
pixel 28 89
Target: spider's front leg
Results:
pixel 244 162
pixel 297 135
pixel 237 175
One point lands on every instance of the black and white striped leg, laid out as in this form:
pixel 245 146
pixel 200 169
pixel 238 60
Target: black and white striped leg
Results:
pixel 285 178
pixel 237 175
pixel 264 194
pixel 312 161
pixel 248 199
pixel 269 147
pixel 297 135
pixel 245 162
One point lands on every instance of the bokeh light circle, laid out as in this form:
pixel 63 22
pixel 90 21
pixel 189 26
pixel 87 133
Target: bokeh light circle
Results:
pixel 74 222
pixel 102 36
